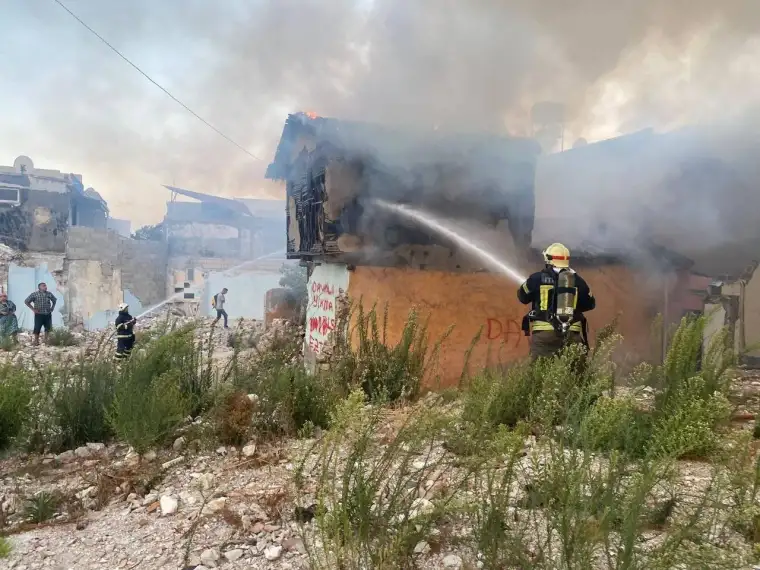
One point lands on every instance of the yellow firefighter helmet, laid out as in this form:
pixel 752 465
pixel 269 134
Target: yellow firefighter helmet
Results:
pixel 557 255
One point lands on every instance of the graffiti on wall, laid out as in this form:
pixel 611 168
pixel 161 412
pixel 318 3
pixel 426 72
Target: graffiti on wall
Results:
pixel 323 297
pixel 327 284
pixel 509 331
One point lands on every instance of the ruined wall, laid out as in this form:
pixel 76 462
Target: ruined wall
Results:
pixel 105 269
pixel 143 269
pixel 25 272
pixel 752 314
pixel 486 304
pixel 326 284
pixel 203 239
pixel 247 292
pixel 38 224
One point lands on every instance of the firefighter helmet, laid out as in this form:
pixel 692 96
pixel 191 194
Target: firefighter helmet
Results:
pixel 557 255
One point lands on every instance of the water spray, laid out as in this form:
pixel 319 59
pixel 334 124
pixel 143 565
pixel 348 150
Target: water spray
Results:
pixel 438 227
pixel 225 272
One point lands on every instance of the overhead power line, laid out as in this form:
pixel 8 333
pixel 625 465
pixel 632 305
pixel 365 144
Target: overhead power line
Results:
pixel 154 82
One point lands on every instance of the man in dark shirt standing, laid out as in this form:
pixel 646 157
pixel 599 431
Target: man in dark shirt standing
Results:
pixel 42 303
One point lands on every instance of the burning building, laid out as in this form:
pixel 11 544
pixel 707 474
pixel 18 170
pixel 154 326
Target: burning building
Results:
pixel 335 172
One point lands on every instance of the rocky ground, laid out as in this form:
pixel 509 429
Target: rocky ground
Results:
pixel 219 508
pixel 189 507
pixel 246 332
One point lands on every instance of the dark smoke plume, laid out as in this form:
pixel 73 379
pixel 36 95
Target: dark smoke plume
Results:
pixel 475 65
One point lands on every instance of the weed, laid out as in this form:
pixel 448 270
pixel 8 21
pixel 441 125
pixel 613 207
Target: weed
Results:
pixel 386 373
pixel 233 418
pixel 83 395
pixel 291 398
pixel 15 399
pixel 61 336
pixel 41 507
pixel 5 548
pixel 148 415
pixel 369 507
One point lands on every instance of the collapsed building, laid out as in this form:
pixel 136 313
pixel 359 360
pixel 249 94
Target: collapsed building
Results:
pixel 335 171
pixel 216 242
pixel 55 230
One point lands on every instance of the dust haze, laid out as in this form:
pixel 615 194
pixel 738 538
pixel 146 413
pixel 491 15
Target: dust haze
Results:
pixel 475 65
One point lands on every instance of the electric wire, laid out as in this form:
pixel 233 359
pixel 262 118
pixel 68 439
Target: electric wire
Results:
pixel 154 82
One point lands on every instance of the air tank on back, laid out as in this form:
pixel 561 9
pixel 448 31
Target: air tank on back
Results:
pixel 566 297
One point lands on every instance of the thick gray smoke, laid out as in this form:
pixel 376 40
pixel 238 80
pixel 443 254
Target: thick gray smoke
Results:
pixel 460 64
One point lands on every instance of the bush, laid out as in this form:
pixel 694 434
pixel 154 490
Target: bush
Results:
pixel 288 399
pixel 233 418
pixel 147 414
pixel 385 372
pixel 369 511
pixel 501 398
pixel 15 399
pixel 61 336
pixel 82 395
pixel 178 353
pixel 5 548
pixel 615 424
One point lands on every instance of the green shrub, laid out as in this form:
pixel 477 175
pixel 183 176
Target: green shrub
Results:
pixel 616 424
pixel 42 507
pixel 147 415
pixel 385 372
pixel 5 548
pixel 61 336
pixel 689 428
pixel 15 399
pixel 178 353
pixel 290 398
pixel 82 397
pixel 496 397
pixel 369 511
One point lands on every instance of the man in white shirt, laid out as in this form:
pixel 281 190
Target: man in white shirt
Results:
pixel 219 300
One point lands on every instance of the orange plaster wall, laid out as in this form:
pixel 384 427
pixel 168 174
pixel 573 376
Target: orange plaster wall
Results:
pixel 474 302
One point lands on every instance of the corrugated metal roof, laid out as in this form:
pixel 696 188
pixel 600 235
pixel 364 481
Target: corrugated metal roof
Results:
pixel 234 205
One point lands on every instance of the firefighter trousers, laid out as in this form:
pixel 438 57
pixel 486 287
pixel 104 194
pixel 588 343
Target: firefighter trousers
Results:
pixel 124 346
pixel 549 343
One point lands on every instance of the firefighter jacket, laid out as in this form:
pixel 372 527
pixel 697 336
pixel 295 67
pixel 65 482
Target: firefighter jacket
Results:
pixel 124 325
pixel 539 290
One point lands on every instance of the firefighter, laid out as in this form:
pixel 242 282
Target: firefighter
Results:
pixel 125 335
pixel 559 297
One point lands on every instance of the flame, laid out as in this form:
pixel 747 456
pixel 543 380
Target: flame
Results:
pixel 311 114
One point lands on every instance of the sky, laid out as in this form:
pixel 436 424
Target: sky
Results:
pixel 72 104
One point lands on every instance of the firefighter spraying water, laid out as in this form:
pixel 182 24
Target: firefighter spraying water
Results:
pixel 559 297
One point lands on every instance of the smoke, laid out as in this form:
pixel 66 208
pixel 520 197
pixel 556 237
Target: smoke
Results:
pixel 475 65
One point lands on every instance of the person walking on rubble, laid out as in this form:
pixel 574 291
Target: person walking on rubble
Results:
pixel 218 301
pixel 559 297
pixel 125 334
pixel 8 320
pixel 42 304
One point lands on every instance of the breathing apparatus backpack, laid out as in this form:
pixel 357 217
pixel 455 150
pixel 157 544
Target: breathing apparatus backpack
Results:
pixel 564 302
pixel 561 312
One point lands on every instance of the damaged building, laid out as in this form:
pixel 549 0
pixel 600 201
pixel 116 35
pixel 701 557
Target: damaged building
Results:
pixel 692 191
pixel 37 205
pixel 334 173
pixel 55 230
pixel 216 242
